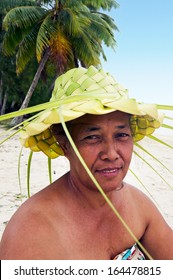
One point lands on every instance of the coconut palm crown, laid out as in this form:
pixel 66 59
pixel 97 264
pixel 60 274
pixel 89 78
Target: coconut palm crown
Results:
pixel 68 31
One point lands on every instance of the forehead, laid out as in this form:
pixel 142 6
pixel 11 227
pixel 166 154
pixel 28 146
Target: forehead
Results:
pixel 117 117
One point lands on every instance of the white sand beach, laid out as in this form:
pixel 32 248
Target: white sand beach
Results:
pixel 11 196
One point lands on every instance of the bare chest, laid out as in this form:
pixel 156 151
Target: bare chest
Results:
pixel 81 239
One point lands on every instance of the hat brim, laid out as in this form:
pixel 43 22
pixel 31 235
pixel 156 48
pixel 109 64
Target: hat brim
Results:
pixel 38 136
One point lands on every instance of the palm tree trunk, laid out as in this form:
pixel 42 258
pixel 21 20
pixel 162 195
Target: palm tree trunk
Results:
pixel 3 109
pixel 1 94
pixel 33 85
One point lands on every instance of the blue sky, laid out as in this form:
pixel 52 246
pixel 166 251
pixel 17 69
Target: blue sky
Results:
pixel 143 58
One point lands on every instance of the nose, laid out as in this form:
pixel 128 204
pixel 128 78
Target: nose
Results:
pixel 109 151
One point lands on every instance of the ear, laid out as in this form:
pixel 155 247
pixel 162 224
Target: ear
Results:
pixel 64 144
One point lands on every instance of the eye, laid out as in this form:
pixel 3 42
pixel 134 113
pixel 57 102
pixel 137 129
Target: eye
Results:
pixel 122 136
pixel 92 138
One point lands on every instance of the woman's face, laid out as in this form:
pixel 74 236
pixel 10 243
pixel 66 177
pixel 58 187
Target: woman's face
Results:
pixel 105 143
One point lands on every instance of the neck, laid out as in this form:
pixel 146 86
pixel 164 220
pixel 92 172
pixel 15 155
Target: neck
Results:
pixel 91 198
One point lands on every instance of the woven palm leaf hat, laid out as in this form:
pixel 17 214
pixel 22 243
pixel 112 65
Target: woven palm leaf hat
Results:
pixel 86 91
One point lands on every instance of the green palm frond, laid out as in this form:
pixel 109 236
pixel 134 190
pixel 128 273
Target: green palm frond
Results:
pixel 29 172
pixel 109 20
pixel 101 29
pixel 87 49
pixel 25 111
pixel 24 20
pixel 165 107
pixel 99 187
pixel 72 19
pixel 10 42
pixel 75 21
pixel 141 157
pixel 50 170
pixel 152 168
pixel 168 118
pixel 75 5
pixel 23 17
pixel 146 189
pixel 46 32
pixel 103 4
pixel 27 50
pixel 80 29
pixel 7 5
pixel 154 157
pixel 160 141
pixel 19 169
pixel 167 126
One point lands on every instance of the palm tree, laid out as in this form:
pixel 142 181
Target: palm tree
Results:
pixel 13 88
pixel 67 33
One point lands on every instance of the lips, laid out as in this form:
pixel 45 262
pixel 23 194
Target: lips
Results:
pixel 109 171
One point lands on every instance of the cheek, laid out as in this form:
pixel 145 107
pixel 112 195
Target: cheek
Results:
pixel 127 151
pixel 89 156
pixel 73 158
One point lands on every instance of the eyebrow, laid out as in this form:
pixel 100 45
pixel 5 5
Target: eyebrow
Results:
pixel 122 126
pixel 92 127
pixel 88 126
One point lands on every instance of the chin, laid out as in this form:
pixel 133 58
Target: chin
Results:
pixel 106 188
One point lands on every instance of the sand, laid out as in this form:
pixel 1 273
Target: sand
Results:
pixel 12 196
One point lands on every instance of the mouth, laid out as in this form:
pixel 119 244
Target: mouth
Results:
pixel 109 172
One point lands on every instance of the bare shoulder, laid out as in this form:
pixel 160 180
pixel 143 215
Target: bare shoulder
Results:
pixel 158 236
pixel 30 229
pixel 23 230
pixel 146 206
pixel 142 201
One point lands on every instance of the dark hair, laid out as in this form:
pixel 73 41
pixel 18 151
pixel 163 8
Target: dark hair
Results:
pixel 58 131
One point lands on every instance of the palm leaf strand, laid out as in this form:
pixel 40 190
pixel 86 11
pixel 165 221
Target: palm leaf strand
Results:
pixel 147 152
pixel 99 187
pixel 153 169
pixel 146 189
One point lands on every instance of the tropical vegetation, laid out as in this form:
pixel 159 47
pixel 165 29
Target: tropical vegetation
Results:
pixel 58 35
pixel 13 88
pixel 48 38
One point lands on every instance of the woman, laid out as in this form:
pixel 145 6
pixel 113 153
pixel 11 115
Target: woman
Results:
pixel 71 219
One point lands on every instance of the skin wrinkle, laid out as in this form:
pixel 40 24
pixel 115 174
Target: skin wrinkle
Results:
pixel 79 222
pixel 80 127
pixel 76 222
